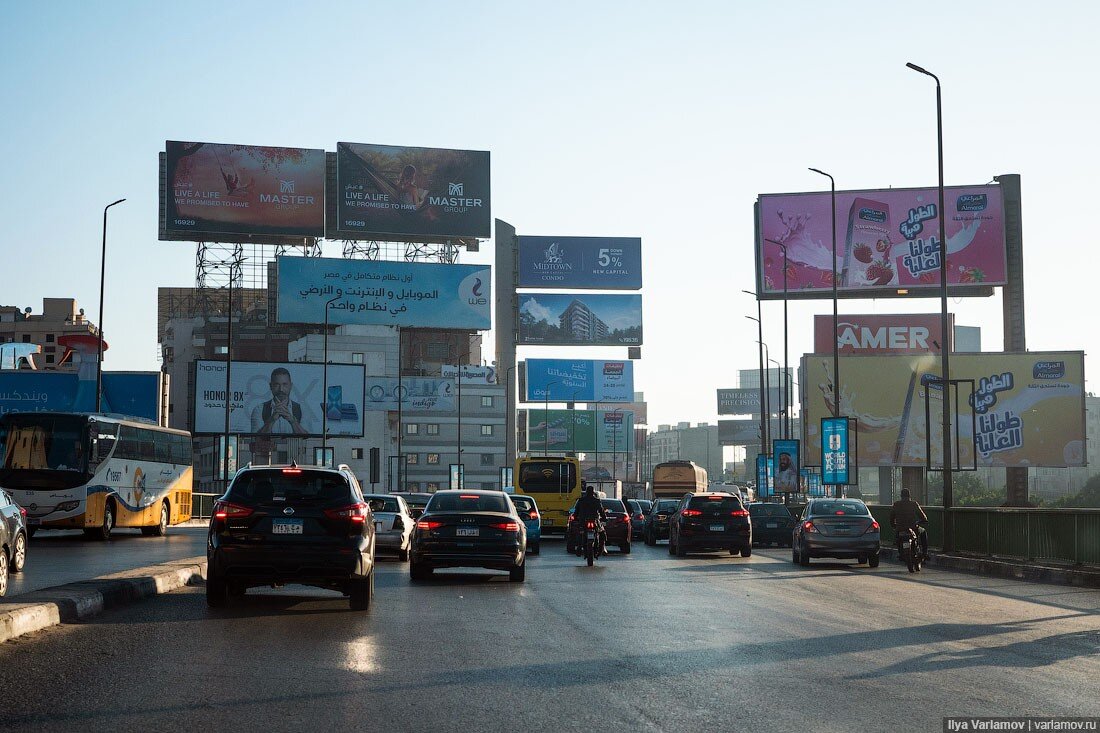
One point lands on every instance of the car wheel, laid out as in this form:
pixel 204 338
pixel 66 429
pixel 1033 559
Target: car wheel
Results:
pixel 19 553
pixel 625 549
pixel 418 571
pixel 31 531
pixel 217 590
pixel 794 555
pixel 649 540
pixel 804 559
pixel 873 561
pixel 671 546
pixel 746 551
pixel 362 593
pixel 403 554
pixel 680 551
pixel 517 574
pixel 534 549
pixel 3 573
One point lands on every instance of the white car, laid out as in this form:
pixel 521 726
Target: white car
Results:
pixel 393 524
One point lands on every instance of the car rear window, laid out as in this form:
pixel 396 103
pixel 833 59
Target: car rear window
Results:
pixel 666 505
pixel 645 504
pixel 769 510
pixel 383 504
pixel 613 505
pixel 258 487
pixel 523 503
pixel 857 508
pixel 715 504
pixel 467 503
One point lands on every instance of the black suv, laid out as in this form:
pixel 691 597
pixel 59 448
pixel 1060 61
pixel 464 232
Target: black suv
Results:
pixel 290 524
pixel 656 522
pixel 711 520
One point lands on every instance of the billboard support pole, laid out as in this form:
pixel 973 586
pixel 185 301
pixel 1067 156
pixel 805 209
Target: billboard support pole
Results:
pixel 1015 336
pixel 99 346
pixel 785 426
pixel 228 372
pixel 505 278
pixel 400 427
pixel 546 419
pixel 324 381
pixel 836 345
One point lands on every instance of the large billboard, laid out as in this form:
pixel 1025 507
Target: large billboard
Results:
pixel 892 333
pixel 579 319
pixel 738 432
pixel 394 191
pixel 746 400
pixel 279 398
pixel 1029 409
pixel 578 263
pixel 579 380
pixel 136 394
pixel 422 394
pixel 580 431
pixel 382 293
pixel 471 373
pixel 213 189
pixel 886 240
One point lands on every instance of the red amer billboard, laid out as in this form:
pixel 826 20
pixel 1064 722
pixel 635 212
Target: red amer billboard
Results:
pixel 893 333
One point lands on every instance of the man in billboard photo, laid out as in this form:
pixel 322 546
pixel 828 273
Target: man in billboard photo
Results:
pixel 280 414
pixel 786 481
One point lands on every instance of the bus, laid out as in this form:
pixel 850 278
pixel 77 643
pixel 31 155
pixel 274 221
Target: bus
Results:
pixel 673 479
pixel 95 472
pixel 554 482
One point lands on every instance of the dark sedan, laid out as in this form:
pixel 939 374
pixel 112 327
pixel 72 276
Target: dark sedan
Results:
pixel 836 528
pixel 639 511
pixel 656 524
pixel 771 524
pixel 415 501
pixel 469 529
pixel 618 527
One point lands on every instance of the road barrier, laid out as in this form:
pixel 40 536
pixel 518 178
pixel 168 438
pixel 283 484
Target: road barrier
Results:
pixel 202 504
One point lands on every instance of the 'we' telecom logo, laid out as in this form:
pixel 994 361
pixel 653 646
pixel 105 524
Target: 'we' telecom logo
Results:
pixel 475 292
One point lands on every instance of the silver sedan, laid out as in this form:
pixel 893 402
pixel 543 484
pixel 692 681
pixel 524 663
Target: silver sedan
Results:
pixel 393 524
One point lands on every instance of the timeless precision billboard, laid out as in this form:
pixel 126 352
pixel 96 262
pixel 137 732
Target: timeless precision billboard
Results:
pixel 579 431
pixel 136 394
pixel 1028 408
pixel 892 333
pixel 423 394
pixel 271 398
pixel 579 380
pixel 372 292
pixel 579 319
pixel 390 190
pixel 212 189
pixel 746 400
pixel 577 263
pixel 886 240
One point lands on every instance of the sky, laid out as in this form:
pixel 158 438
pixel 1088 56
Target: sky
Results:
pixel 657 120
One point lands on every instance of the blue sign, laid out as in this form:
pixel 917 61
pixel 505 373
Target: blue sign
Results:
pixel 136 394
pixel 599 263
pixel 371 292
pixel 579 380
pixel 835 456
pixel 786 458
pixel 763 490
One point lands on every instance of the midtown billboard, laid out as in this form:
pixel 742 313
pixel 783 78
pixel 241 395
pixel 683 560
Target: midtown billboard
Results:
pixel 746 400
pixel 595 263
pixel 1028 409
pixel 136 394
pixel 212 189
pixel 579 380
pixel 418 394
pixel 886 240
pixel 579 319
pixel 892 333
pixel 271 398
pixel 422 193
pixel 581 431
pixel 382 293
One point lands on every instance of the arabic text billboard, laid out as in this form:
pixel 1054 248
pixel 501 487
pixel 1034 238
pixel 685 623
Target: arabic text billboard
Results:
pixel 425 394
pixel 599 263
pixel 886 239
pixel 414 294
pixel 390 190
pixel 136 394
pixel 579 431
pixel 892 333
pixel 471 373
pixel 579 380
pixel 578 319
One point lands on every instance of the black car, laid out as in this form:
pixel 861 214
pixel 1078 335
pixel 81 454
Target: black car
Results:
pixel 13 539
pixel 710 520
pixel 469 529
pixel 656 522
pixel 771 524
pixel 304 525
pixel 836 528
pixel 639 510
pixel 618 527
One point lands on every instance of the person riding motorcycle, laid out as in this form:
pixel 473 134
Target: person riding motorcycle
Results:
pixel 907 514
pixel 589 507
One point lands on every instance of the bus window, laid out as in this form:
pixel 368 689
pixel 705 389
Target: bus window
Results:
pixel 547 476
pixel 162 445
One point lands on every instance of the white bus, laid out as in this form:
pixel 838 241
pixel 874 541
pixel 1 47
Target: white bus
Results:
pixel 95 472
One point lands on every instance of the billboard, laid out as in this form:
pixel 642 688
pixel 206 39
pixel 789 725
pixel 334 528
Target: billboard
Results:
pixel 425 394
pixel 579 380
pixel 471 373
pixel 738 432
pixel 835 450
pixel 614 431
pixel 578 319
pixel 271 398
pixel 579 431
pixel 380 293
pixel 893 333
pixel 786 465
pixel 640 410
pixel 579 263
pixel 886 240
pixel 215 189
pixel 746 400
pixel 1028 409
pixel 136 394
pixel 426 193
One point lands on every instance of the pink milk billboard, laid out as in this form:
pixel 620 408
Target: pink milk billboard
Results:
pixel 886 240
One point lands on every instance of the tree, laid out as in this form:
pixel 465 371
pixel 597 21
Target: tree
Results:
pixel 1089 496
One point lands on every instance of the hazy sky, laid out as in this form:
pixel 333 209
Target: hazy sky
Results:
pixel 658 120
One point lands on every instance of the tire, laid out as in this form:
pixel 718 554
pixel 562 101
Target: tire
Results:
pixel 418 571
pixel 861 560
pixel 403 555
pixel 746 551
pixel 3 573
pixel 873 561
pixel 534 549
pixel 589 553
pixel 680 551
pixel 161 528
pixel 18 553
pixel 516 575
pixel 671 547
pixel 569 549
pixel 217 590
pixel 650 542
pixel 794 556
pixel 103 532
pixel 362 593
pixel 31 531
pixel 625 549
pixel 804 559
pixel 733 551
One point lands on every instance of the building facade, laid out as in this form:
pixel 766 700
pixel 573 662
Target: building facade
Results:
pixel 60 317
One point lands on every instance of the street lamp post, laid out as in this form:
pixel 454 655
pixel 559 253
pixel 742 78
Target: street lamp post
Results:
pixel 945 325
pixel 786 386
pixel 760 352
pixel 228 373
pixel 836 345
pixel 546 419
pixel 324 385
pixel 778 366
pixel 102 280
pixel 766 407
pixel 573 422
pixel 614 441
pixel 458 448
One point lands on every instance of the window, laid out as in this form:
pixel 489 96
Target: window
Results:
pixel 433 459
pixel 487 459
pixel 49 358
pixel 412 458
pixel 486 429
pixel 433 428
pixel 357 453
pixel 412 486
pixel 356 357
pixel 433 486
pixel 412 429
pixel 487 401
pixel 49 338
pixel 26 338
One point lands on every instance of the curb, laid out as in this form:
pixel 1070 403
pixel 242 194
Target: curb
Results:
pixel 82 600
pixel 1033 573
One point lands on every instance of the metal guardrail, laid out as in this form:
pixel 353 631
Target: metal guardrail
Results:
pixel 202 504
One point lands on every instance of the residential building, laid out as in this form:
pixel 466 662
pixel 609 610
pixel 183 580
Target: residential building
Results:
pixel 59 317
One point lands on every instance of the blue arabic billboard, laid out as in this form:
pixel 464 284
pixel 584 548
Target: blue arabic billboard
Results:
pixel 579 380
pixel 599 263
pixel 370 292
pixel 136 394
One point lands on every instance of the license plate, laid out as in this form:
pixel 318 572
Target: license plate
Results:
pixel 468 532
pixel 773 525
pixel 378 526
pixel 717 528
pixel 548 521
pixel 287 526
pixel 591 535
pixel 906 545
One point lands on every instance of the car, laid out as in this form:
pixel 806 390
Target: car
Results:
pixel 305 525
pixel 656 524
pixel 639 510
pixel 528 511
pixel 13 539
pixel 416 501
pixel 469 529
pixel 710 520
pixel 836 528
pixel 393 524
pixel 618 527
pixel 771 524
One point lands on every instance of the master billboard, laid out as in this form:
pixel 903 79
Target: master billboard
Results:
pixel 580 431
pixel 1028 409
pixel 211 189
pixel 579 319
pixel 599 263
pixel 886 240
pixel 372 292
pixel 271 398
pixel 579 380
pixel 395 191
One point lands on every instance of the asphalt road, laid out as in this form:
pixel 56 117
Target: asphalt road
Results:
pixel 644 642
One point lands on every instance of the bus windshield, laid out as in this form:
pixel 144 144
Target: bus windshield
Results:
pixel 547 476
pixel 43 450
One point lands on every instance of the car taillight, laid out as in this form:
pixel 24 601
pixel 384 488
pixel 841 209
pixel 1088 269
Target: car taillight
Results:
pixel 590 525
pixel 873 528
pixel 572 517
pixel 739 513
pixel 227 510
pixel 533 514
pixel 23 512
pixel 356 512
pixel 292 471
pixel 640 517
pixel 809 526
pixel 506 526
pixel 429 524
pixel 692 513
pixel 623 518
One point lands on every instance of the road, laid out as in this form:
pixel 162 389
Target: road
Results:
pixel 643 642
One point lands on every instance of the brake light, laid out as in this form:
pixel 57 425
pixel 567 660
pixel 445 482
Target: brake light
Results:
pixel 429 524
pixel 692 513
pixel 839 513
pixel 23 512
pixel 873 528
pixel 356 513
pixel 506 526
pixel 572 517
pixel 533 514
pixel 739 513
pixel 475 497
pixel 639 517
pixel 590 525
pixel 809 527
pixel 623 518
pixel 292 471
pixel 227 510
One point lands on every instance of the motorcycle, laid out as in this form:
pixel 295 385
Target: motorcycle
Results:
pixel 592 542
pixel 910 549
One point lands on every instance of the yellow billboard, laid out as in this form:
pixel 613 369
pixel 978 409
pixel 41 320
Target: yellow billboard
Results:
pixel 1026 409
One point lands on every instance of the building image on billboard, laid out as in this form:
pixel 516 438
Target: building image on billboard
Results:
pixel 886 240
pixel 579 380
pixel 572 263
pixel 211 189
pixel 578 319
pixel 424 193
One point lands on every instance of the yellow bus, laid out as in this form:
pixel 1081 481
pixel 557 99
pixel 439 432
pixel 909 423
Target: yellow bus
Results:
pixel 554 482
pixel 95 472
pixel 673 479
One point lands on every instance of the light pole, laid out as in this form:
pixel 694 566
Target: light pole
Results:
pixel 945 325
pixel 778 366
pixel 509 459
pixel 102 279
pixel 760 351
pixel 786 427
pixel 546 419
pixel 324 384
pixel 836 346
pixel 455 358
pixel 765 406
pixel 573 422
pixel 228 372
pixel 614 440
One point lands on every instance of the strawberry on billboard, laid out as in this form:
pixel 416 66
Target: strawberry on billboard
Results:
pixel 886 240
pixel 894 333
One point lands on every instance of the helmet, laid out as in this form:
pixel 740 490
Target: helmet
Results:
pixel 905 494
pixel 589 490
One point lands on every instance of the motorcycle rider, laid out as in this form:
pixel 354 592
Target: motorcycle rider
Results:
pixel 589 507
pixel 907 514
